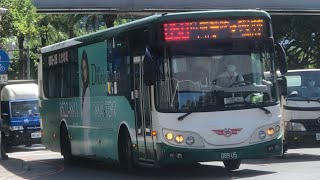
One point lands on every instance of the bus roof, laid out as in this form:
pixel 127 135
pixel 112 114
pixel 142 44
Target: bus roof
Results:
pixel 101 35
pixel 19 92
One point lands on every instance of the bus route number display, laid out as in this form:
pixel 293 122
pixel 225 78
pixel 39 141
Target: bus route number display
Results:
pixel 214 29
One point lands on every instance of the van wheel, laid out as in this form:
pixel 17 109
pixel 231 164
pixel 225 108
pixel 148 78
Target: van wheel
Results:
pixel 232 164
pixel 65 145
pixel 28 144
pixel 126 152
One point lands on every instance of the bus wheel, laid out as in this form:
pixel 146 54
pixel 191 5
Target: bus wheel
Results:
pixel 232 164
pixel 65 145
pixel 126 152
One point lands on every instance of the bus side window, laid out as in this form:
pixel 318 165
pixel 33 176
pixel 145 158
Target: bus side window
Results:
pixel 62 80
pixel 118 62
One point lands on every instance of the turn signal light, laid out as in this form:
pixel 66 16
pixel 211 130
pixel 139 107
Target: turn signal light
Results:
pixel 154 133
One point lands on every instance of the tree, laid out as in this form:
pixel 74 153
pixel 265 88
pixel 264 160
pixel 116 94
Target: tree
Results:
pixel 20 21
pixel 300 37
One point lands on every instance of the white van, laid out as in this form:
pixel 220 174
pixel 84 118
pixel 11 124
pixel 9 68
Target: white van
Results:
pixel 301 109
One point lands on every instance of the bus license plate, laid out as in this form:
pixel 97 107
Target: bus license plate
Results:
pixel 36 135
pixel 229 155
pixel 318 136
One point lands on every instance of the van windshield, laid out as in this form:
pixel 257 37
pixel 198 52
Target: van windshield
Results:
pixel 303 84
pixel 24 108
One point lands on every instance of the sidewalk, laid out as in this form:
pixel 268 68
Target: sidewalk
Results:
pixel 12 168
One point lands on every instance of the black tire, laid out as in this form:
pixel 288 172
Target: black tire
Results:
pixel 65 145
pixel 232 164
pixel 285 149
pixel 126 152
pixel 7 148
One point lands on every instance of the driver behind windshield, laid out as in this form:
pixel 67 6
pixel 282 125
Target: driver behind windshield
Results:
pixel 311 90
pixel 229 77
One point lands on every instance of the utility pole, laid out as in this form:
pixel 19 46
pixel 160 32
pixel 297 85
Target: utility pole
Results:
pixel 2 153
pixel 28 62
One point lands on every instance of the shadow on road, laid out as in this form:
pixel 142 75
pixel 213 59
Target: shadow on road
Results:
pixel 171 172
pixel 14 166
pixel 286 158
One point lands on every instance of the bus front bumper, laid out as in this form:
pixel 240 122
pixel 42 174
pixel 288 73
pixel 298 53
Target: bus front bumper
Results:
pixel 169 154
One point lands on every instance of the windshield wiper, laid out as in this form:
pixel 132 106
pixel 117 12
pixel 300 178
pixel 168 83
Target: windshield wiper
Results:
pixel 198 108
pixel 252 104
pixel 195 109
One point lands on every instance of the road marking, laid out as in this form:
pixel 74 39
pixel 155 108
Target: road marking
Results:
pixel 59 169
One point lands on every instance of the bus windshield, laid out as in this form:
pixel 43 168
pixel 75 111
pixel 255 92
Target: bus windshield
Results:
pixel 24 108
pixel 303 84
pixel 221 78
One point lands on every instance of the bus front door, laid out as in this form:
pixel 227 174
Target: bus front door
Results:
pixel 143 114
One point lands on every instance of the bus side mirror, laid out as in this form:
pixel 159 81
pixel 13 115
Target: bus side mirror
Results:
pixel 4 116
pixel 149 69
pixel 282 83
pixel 283 66
pixel 4 119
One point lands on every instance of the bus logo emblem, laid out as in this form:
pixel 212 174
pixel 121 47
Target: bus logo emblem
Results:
pixel 227 132
pixel 26 121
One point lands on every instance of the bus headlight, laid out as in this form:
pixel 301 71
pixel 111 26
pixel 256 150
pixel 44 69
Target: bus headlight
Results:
pixel 169 136
pixel 293 126
pixel 15 128
pixel 266 133
pixel 179 139
pixel 182 138
pixel 262 134
pixel 270 131
pixel 190 140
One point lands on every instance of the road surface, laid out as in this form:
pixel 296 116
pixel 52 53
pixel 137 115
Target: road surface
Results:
pixel 47 165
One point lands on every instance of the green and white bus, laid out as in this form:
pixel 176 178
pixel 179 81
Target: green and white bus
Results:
pixel 155 91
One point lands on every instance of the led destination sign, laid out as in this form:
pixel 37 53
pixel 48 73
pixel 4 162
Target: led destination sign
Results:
pixel 217 29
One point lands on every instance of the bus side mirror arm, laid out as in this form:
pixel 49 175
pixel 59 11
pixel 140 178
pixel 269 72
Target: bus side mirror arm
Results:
pixel 283 66
pixel 282 84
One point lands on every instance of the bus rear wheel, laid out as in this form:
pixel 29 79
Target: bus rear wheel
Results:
pixel 126 152
pixel 65 145
pixel 232 164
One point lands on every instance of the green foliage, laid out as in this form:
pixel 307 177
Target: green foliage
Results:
pixel 120 21
pixel 23 26
pixel 21 18
pixel 300 36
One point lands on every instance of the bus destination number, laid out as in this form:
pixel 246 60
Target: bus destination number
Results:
pixel 229 155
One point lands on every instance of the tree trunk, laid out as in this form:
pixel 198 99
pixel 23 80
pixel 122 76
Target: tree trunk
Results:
pixel 21 62
pixel 109 19
pixel 44 38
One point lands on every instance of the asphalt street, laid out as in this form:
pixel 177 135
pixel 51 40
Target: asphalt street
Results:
pixel 47 165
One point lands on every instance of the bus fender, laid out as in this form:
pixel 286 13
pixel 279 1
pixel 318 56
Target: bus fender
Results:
pixel 65 122
pixel 131 131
